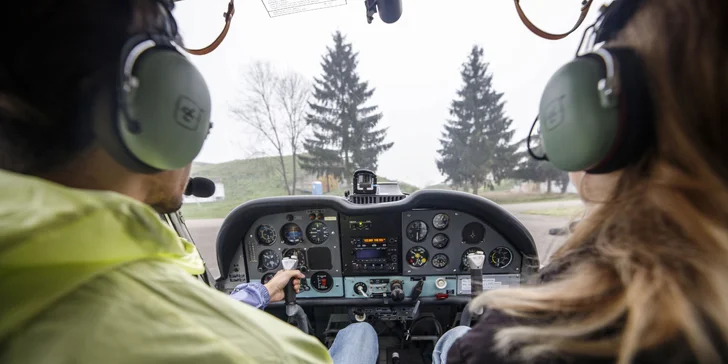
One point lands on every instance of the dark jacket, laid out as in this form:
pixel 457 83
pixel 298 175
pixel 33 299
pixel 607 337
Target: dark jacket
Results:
pixel 477 346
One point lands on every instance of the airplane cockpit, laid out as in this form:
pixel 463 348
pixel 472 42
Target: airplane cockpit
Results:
pixel 408 264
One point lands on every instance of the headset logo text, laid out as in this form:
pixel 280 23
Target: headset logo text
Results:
pixel 187 113
pixel 554 113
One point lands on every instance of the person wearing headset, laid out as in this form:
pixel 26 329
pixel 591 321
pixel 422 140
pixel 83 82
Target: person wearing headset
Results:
pixel 100 119
pixel 644 277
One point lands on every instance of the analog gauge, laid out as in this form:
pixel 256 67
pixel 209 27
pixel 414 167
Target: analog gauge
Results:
pixel 500 257
pixel 440 241
pixel 322 281
pixel 267 277
pixel 268 260
pixel 300 255
pixel 440 261
pixel 466 264
pixel 473 233
pixel 417 256
pixel 291 234
pixel 441 221
pixel 317 232
pixel 417 231
pixel 266 235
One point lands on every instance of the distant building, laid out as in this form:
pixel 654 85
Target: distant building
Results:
pixel 317 188
pixel 218 196
pixel 542 187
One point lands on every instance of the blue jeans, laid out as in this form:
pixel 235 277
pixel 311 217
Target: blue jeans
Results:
pixel 358 344
pixel 439 355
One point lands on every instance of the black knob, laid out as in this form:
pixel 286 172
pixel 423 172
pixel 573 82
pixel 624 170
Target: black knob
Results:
pixel 397 295
pixel 397 291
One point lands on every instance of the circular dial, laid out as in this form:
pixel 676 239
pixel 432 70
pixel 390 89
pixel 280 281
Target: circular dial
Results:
pixel 440 241
pixel 300 255
pixel 466 264
pixel 322 281
pixel 500 257
pixel 417 256
pixel 268 260
pixel 440 260
pixel 267 277
pixel 473 233
pixel 291 234
pixel 441 221
pixel 266 235
pixel 317 232
pixel 417 231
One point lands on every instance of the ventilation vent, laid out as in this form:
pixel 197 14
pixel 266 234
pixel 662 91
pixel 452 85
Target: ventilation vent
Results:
pixel 373 199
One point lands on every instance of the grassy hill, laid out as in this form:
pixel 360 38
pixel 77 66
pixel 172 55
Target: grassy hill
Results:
pixel 249 179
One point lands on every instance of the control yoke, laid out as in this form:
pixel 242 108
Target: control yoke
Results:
pixel 290 293
pixel 294 312
pixel 475 262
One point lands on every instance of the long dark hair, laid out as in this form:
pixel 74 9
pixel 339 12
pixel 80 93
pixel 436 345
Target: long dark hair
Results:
pixel 649 266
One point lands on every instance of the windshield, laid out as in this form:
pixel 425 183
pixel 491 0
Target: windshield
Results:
pixel 442 98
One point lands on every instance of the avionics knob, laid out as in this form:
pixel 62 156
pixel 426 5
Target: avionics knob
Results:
pixel 361 289
pixel 397 291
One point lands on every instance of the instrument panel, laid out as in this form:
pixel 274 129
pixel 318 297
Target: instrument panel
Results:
pixel 438 241
pixel 356 256
pixel 311 235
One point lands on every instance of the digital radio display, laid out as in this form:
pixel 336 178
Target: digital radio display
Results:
pixel 373 240
pixel 370 253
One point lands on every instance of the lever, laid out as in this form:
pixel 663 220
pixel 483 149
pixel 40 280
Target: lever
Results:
pixel 361 291
pixel 416 310
pixel 417 290
pixel 290 292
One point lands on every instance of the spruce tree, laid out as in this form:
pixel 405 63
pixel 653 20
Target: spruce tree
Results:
pixel 345 135
pixel 476 141
pixel 529 169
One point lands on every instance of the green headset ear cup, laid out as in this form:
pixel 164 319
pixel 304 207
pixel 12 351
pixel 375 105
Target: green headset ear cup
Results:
pixel 164 120
pixel 577 132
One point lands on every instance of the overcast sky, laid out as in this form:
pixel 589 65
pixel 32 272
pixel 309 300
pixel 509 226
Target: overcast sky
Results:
pixel 414 64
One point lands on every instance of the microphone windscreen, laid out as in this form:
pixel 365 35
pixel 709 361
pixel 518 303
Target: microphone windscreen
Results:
pixel 200 187
pixel 389 10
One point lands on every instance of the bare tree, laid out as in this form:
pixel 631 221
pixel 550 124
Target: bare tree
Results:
pixel 293 95
pixel 275 107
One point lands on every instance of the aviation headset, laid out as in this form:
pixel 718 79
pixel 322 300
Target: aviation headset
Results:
pixel 596 111
pixel 160 103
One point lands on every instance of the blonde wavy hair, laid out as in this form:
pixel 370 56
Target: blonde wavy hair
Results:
pixel 649 266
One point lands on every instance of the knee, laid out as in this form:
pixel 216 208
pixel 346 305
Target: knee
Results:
pixel 457 332
pixel 362 330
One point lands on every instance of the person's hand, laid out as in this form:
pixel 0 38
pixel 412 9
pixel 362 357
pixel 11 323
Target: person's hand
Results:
pixel 277 285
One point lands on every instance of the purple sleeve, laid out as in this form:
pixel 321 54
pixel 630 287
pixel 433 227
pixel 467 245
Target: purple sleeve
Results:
pixel 254 294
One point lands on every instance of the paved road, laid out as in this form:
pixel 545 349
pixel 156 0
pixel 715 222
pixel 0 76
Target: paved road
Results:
pixel 205 231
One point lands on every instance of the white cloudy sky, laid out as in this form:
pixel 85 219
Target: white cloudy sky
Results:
pixel 414 64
